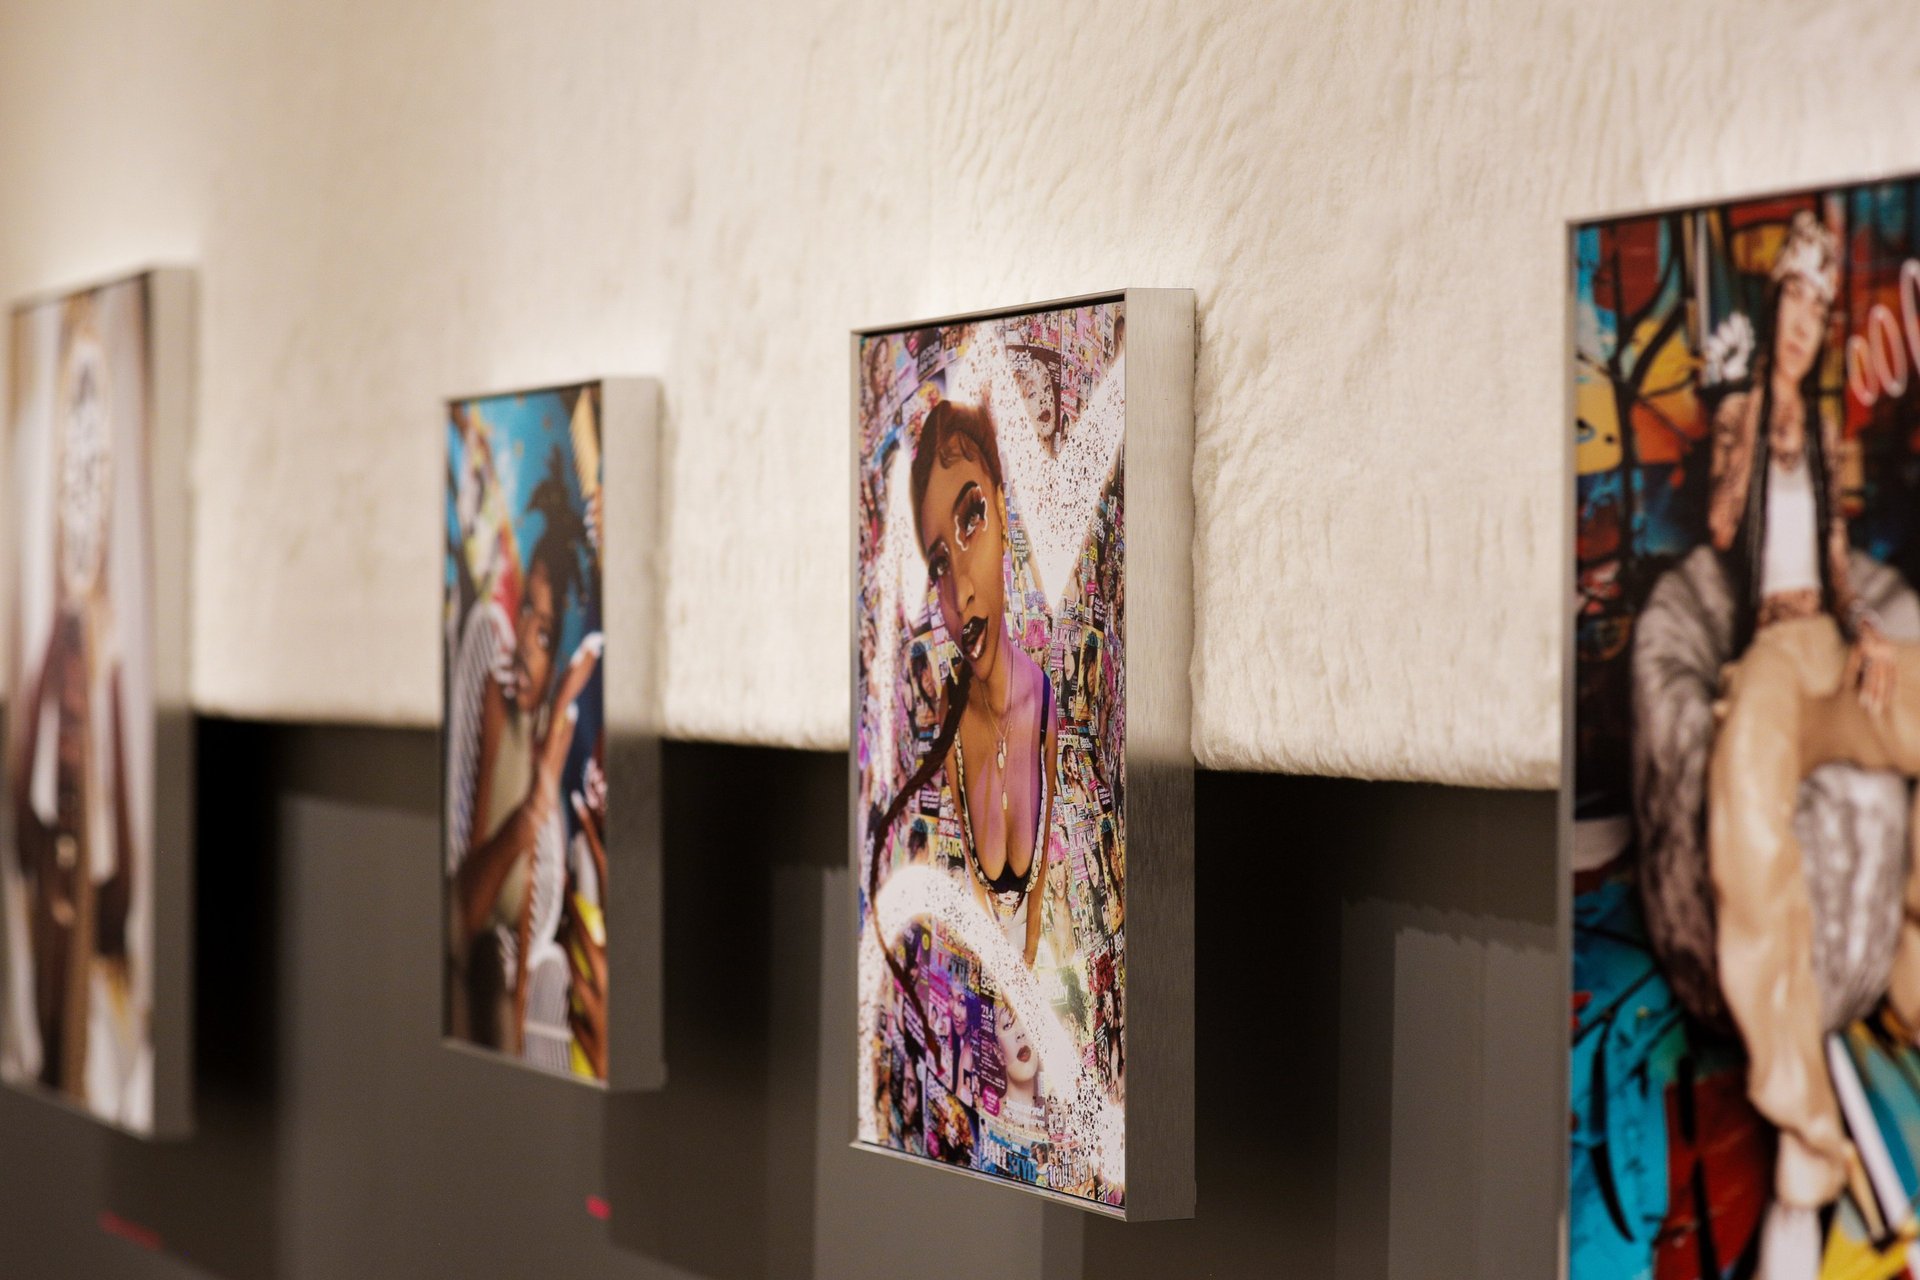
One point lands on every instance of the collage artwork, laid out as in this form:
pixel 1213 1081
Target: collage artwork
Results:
pixel 1746 976
pixel 524 762
pixel 990 725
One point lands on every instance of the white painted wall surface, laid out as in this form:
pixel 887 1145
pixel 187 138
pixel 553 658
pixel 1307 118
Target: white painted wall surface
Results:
pixel 394 200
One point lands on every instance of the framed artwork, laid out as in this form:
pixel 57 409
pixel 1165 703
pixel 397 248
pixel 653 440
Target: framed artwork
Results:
pixel 96 875
pixel 1744 735
pixel 1022 765
pixel 550 745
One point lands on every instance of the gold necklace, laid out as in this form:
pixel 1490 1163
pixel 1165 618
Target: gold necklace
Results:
pixel 1000 745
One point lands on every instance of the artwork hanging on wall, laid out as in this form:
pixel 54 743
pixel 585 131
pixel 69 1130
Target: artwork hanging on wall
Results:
pixel 98 750
pixel 1744 693
pixel 1022 767
pixel 550 740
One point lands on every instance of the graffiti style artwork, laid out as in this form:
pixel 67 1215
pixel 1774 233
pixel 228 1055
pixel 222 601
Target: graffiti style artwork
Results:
pixel 991 720
pixel 1746 703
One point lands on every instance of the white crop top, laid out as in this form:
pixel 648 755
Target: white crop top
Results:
pixel 1792 552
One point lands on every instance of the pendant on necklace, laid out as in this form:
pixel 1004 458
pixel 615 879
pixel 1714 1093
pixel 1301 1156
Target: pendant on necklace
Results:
pixel 1000 753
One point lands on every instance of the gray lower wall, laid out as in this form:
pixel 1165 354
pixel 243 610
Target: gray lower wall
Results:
pixel 1382 1023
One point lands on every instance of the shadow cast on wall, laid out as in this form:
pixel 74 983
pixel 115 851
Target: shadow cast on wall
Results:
pixel 77 1199
pixel 1380 1014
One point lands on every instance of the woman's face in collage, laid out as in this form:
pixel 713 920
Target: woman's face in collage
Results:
pixel 965 547
pixel 1016 1051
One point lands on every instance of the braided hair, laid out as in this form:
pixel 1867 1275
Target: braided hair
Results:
pixel 562 549
pixel 1748 555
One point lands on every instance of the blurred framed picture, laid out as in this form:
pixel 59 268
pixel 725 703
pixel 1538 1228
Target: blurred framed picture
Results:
pixel 549 744
pixel 1743 695
pixel 96 878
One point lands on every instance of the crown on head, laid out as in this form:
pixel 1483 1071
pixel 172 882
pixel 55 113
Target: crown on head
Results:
pixel 1809 252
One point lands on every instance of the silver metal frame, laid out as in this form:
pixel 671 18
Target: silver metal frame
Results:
pixel 172 356
pixel 631 619
pixel 1563 844
pixel 1157 462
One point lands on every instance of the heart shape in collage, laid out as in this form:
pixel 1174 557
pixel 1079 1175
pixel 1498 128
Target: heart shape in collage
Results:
pixel 1054 477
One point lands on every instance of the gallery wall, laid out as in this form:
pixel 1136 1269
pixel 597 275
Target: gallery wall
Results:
pixel 395 202
pixel 1380 1044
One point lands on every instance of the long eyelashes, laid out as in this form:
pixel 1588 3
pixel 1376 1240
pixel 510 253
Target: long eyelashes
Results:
pixel 969 513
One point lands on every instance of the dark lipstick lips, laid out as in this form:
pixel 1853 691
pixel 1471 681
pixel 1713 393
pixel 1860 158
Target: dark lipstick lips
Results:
pixel 973 638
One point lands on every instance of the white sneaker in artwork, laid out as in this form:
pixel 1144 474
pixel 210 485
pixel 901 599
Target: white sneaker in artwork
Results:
pixel 1789 1244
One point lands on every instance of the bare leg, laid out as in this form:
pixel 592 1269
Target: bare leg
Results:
pixel 1765 920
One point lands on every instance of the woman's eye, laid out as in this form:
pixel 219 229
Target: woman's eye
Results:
pixel 972 514
pixel 937 568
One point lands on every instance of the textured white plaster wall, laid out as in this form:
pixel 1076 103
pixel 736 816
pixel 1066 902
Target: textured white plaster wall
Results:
pixel 394 200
